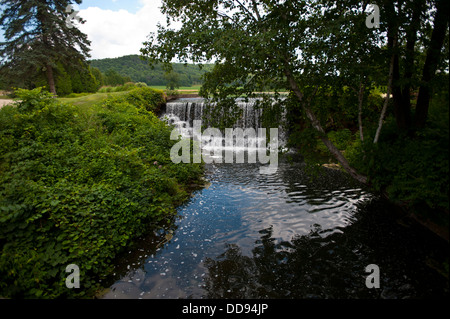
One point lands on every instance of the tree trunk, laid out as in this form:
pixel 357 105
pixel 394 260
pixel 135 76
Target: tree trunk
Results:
pixel 317 126
pixel 402 105
pixel 431 62
pixel 386 101
pixel 50 79
pixel 411 39
pixel 362 87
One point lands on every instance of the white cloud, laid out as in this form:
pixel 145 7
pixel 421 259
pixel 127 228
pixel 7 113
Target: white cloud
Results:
pixel 118 33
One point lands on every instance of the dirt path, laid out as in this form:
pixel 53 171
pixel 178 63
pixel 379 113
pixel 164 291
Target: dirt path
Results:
pixel 5 102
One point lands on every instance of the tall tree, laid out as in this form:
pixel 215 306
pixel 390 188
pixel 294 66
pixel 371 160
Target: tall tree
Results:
pixel 288 42
pixel 39 35
pixel 306 47
pixel 441 22
pixel 408 22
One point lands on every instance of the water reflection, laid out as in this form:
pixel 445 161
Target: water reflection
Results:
pixel 320 266
pixel 286 235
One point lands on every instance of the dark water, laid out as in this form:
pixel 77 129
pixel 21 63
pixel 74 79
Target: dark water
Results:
pixel 288 235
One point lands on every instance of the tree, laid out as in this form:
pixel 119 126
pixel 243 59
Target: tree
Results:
pixel 440 29
pixel 98 76
pixel 38 37
pixel 253 41
pixel 172 79
pixel 408 24
pixel 113 78
pixel 307 47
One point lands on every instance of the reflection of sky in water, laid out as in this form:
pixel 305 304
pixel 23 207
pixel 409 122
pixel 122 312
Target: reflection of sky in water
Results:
pixel 237 205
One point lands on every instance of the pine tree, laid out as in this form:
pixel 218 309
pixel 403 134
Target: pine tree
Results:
pixel 38 37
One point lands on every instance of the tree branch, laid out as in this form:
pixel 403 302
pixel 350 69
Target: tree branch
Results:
pixel 255 9
pixel 316 124
pixel 244 8
pixel 389 89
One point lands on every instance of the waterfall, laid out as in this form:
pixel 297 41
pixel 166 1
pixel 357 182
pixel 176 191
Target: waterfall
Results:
pixel 183 112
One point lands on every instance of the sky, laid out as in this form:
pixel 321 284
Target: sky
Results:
pixel 117 27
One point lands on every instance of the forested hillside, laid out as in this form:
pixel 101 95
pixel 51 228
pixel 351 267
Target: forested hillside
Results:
pixel 140 71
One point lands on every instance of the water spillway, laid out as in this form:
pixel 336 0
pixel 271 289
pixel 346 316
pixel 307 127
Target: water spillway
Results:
pixel 247 131
pixel 188 110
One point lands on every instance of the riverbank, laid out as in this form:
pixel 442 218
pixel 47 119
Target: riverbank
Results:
pixel 78 185
pixel 439 230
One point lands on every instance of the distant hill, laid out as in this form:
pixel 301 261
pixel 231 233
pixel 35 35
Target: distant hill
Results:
pixel 139 70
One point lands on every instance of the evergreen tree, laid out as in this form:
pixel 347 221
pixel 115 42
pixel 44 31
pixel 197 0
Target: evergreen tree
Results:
pixel 38 37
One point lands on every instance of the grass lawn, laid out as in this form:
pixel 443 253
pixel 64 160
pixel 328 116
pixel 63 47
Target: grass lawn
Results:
pixel 181 90
pixel 93 98
pixel 90 99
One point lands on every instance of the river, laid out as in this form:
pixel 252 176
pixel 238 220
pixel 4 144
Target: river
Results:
pixel 293 234
pixel 298 233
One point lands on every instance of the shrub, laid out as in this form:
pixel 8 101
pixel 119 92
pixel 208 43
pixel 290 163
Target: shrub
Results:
pixel 341 138
pixel 74 191
pixel 147 98
pixel 33 100
pixel 76 95
pixel 413 171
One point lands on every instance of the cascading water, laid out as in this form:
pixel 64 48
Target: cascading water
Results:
pixel 183 112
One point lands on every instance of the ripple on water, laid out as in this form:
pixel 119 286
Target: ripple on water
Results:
pixel 240 215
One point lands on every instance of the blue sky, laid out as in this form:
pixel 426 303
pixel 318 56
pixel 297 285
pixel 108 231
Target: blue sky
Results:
pixel 131 6
pixel 117 27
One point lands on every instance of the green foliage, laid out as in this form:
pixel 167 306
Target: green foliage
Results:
pixel 77 186
pixel 173 80
pixel 139 71
pixel 83 80
pixel 33 100
pixel 68 80
pixel 37 38
pixel 63 81
pixel 147 98
pixel 113 78
pixel 119 88
pixel 341 138
pixel 97 74
pixel 139 96
pixel 413 171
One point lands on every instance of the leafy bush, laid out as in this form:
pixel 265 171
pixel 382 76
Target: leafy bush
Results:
pixel 341 138
pixel 77 188
pixel 76 95
pixel 33 100
pixel 413 171
pixel 147 98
